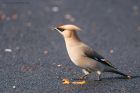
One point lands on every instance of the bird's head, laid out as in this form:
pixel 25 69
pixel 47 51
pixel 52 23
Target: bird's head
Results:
pixel 67 30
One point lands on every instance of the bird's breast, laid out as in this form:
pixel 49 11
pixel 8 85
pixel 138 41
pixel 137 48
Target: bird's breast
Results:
pixel 75 55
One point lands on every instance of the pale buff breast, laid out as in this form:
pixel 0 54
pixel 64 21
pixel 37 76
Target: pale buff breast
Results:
pixel 75 54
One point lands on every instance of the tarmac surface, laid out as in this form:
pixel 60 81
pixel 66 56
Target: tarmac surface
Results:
pixel 33 59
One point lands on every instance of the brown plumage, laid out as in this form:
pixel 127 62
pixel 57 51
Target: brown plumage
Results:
pixel 82 55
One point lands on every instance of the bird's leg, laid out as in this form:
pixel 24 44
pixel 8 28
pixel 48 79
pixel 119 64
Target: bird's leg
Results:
pixel 85 76
pixel 99 76
pixel 86 73
pixel 81 78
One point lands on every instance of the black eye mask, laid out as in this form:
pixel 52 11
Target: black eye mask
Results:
pixel 60 29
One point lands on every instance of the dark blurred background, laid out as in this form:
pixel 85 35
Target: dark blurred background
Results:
pixel 33 59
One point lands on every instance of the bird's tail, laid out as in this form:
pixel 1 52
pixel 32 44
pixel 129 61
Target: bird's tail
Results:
pixel 120 73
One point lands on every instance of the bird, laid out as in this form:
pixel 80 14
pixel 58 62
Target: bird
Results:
pixel 84 56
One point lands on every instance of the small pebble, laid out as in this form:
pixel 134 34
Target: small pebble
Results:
pixel 111 51
pixel 8 50
pixel 14 86
pixel 55 9
pixel 59 65
pixel 69 17
pixel 45 52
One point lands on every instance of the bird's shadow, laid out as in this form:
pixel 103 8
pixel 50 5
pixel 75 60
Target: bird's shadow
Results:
pixel 117 78
pixel 110 80
pixel 107 81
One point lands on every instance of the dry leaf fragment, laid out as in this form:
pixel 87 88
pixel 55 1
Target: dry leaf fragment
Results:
pixel 66 81
pixel 79 82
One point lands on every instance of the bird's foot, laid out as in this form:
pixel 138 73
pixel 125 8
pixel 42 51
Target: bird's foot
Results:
pixel 98 78
pixel 81 78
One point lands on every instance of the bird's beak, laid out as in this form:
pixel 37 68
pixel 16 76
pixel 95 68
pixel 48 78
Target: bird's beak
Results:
pixel 55 28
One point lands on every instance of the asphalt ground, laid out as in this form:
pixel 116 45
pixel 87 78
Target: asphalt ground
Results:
pixel 33 59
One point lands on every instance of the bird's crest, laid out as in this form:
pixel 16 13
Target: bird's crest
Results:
pixel 70 27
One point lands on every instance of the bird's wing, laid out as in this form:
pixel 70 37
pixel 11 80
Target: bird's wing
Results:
pixel 92 54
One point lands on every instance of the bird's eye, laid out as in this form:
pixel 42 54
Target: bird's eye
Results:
pixel 61 29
